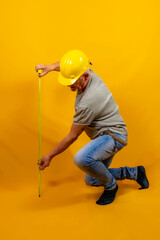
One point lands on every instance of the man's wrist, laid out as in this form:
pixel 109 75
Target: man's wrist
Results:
pixel 54 66
pixel 51 67
pixel 50 155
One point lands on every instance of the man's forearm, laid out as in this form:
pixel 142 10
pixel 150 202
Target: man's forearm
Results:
pixel 55 66
pixel 64 144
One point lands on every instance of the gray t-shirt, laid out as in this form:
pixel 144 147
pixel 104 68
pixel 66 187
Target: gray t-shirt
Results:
pixel 97 108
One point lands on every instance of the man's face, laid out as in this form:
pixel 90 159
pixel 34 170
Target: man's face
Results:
pixel 80 83
pixel 75 86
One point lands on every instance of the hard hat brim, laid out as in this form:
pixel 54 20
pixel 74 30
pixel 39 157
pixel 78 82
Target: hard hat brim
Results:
pixel 66 81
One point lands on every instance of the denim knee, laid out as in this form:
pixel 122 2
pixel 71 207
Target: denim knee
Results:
pixel 82 160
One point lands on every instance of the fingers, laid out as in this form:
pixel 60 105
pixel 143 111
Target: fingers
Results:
pixel 41 168
pixel 41 74
pixel 42 165
pixel 39 163
pixel 39 66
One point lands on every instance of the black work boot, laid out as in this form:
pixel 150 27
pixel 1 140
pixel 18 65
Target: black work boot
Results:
pixel 142 178
pixel 107 196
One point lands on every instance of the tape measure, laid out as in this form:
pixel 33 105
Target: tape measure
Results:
pixel 39 186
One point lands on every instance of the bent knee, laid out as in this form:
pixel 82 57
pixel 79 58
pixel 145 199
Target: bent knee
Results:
pixel 82 160
pixel 77 159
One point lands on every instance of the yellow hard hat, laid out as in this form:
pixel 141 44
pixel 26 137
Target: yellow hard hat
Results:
pixel 72 65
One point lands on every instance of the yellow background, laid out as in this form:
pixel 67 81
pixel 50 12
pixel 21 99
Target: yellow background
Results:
pixel 122 40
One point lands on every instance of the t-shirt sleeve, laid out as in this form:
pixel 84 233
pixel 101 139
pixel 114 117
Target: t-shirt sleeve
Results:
pixel 83 116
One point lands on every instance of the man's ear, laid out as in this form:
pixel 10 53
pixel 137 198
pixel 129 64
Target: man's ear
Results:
pixel 86 76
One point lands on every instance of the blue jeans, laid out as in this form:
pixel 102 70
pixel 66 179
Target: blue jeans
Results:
pixel 96 156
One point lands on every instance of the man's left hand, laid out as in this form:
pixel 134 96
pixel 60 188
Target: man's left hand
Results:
pixel 45 162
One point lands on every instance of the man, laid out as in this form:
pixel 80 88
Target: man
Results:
pixel 96 113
